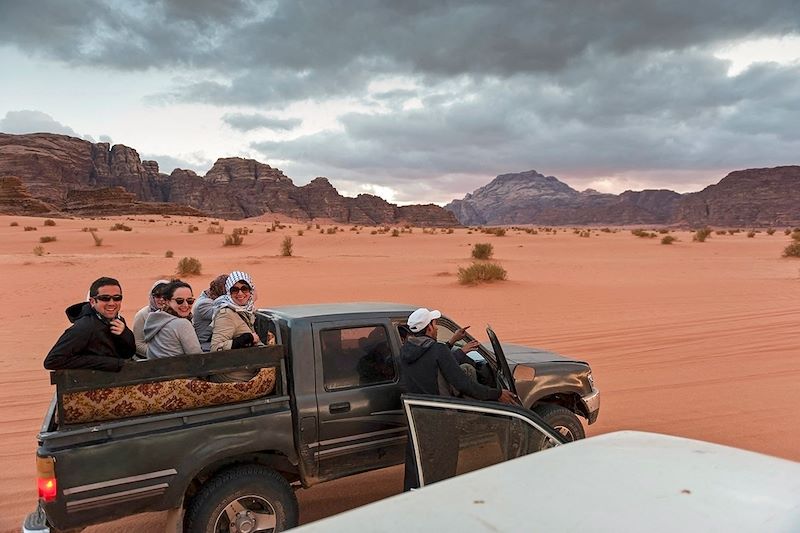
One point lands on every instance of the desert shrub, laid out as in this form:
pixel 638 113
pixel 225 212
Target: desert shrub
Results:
pixel 87 229
pixel 796 235
pixel 30 228
pixel 793 250
pixel 722 232
pixel 168 254
pixel 14 224
pixel 663 231
pixel 38 250
pixel 215 229
pixel 787 231
pixel 701 235
pixel 482 251
pixel 450 231
pixel 331 231
pixel 642 233
pixel 234 239
pixel 49 222
pixel 192 229
pixel 751 234
pixel 47 238
pixel 585 233
pixel 121 227
pixel 240 231
pixel 151 220
pixel 480 273
pixel 214 222
pixel 286 246
pixel 189 266
pixel 668 239
pixel 771 231
pixel 98 241
pixel 300 233
pixel 395 233
pixel 497 232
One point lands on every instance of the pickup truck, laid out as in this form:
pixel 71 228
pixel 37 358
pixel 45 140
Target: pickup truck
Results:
pixel 335 410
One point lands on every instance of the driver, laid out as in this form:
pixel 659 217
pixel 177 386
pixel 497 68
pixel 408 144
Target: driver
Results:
pixel 422 360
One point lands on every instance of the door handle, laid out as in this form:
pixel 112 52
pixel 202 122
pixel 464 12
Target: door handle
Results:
pixel 342 407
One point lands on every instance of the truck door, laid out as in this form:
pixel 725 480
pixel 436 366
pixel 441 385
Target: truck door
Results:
pixel 361 422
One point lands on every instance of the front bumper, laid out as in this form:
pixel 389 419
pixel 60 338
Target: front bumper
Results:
pixel 591 403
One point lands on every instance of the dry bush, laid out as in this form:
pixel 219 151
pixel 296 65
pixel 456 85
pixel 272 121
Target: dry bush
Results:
pixel 481 273
pixel 450 231
pixel 796 235
pixel 189 266
pixel 793 250
pixel 771 231
pixel 240 231
pixel 701 235
pixel 331 231
pixel 482 250
pixel 168 254
pixel 120 227
pixel 299 233
pixel 30 228
pixel 215 229
pixel 668 239
pixel 192 229
pixel 49 222
pixel 235 239
pixel 395 233
pixel 751 234
pixel 497 232
pixel 722 232
pixel 38 250
pixel 14 224
pixel 47 238
pixel 643 234
pixel 585 233
pixel 787 231
pixel 663 231
pixel 85 229
pixel 286 246
pixel 98 241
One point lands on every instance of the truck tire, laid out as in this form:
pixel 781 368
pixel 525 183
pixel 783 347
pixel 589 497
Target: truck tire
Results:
pixel 563 420
pixel 251 498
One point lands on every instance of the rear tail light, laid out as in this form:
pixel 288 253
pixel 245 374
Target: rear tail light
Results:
pixel 46 478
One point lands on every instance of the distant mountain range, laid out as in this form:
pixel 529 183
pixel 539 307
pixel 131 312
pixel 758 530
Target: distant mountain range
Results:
pixel 45 174
pixel 756 197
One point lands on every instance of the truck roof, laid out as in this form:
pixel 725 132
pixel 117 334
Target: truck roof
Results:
pixel 335 310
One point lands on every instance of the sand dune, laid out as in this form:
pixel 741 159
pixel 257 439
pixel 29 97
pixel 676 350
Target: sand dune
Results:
pixel 692 339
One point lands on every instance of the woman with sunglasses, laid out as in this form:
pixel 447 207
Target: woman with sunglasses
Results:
pixel 169 331
pixel 234 322
pixel 156 302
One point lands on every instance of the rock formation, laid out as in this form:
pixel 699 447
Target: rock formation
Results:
pixel 74 176
pixel 16 200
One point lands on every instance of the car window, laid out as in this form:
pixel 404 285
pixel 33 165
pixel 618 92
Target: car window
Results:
pixel 452 438
pixel 355 357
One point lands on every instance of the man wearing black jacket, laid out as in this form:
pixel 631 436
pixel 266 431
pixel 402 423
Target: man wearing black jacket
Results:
pixel 422 360
pixel 98 338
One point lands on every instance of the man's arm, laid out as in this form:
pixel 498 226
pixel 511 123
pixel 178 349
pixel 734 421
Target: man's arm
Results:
pixel 458 379
pixel 66 353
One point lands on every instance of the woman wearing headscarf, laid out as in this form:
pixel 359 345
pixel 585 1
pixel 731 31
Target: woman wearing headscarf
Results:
pixel 156 302
pixel 169 331
pixel 203 310
pixel 234 322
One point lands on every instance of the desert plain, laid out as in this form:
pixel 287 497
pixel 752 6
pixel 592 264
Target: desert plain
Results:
pixel 692 339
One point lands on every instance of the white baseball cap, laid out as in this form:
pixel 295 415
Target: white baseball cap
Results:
pixel 419 319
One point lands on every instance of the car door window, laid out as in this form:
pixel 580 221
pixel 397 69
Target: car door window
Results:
pixel 453 437
pixel 355 357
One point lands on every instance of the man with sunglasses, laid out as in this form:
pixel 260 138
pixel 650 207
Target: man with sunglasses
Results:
pixel 98 339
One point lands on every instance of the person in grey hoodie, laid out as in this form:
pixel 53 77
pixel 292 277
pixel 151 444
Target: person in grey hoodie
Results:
pixel 203 310
pixel 169 331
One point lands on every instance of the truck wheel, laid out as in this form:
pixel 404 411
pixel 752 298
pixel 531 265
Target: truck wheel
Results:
pixel 563 420
pixel 244 499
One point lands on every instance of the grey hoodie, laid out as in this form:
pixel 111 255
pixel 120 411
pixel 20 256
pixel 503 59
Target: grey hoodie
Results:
pixel 167 335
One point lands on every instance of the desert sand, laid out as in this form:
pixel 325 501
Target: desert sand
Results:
pixel 693 339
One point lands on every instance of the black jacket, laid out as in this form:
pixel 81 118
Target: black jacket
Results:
pixel 422 358
pixel 89 343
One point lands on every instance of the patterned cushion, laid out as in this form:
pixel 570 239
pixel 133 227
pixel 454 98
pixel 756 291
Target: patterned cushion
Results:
pixel 161 397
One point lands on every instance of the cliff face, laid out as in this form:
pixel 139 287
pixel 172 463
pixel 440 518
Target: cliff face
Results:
pixel 756 197
pixel 71 175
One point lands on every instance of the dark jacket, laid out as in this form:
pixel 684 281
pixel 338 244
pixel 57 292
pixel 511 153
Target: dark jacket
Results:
pixel 89 343
pixel 422 358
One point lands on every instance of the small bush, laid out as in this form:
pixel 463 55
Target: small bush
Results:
pixel 30 228
pixel 286 246
pixel 14 224
pixel 663 231
pixel 240 231
pixel 215 229
pixel 722 232
pixel 796 235
pixel 192 229
pixel 85 229
pixel 787 231
pixel 497 232
pixel 793 250
pixel 480 273
pixel 751 234
pixel 121 227
pixel 482 251
pixel 98 241
pixel 46 238
pixel 395 233
pixel 214 222
pixel 771 231
pixel 168 254
pixel 668 239
pixel 643 234
pixel 450 231
pixel 49 222
pixel 189 266
pixel 330 231
pixel 299 233
pixel 235 239
pixel 38 250
pixel 701 235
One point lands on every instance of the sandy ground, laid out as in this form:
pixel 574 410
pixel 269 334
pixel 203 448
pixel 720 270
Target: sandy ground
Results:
pixel 693 339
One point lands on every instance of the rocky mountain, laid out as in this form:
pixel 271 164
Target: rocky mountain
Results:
pixel 73 176
pixel 755 197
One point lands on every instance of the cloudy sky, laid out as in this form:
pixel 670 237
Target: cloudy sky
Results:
pixel 417 100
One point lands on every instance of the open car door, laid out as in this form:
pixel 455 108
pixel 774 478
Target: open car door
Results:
pixel 504 377
pixel 453 436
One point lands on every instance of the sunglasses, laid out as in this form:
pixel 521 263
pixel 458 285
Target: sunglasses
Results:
pixel 108 297
pixel 180 301
pixel 240 289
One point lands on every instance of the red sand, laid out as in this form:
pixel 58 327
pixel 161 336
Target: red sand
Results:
pixel 693 339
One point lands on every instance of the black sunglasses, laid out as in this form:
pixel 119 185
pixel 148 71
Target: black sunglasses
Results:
pixel 108 297
pixel 180 301
pixel 240 289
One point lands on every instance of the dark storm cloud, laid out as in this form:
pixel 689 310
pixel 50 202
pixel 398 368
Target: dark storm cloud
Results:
pixel 254 121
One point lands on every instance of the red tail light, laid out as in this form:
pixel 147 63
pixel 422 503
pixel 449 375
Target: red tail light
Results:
pixel 46 478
